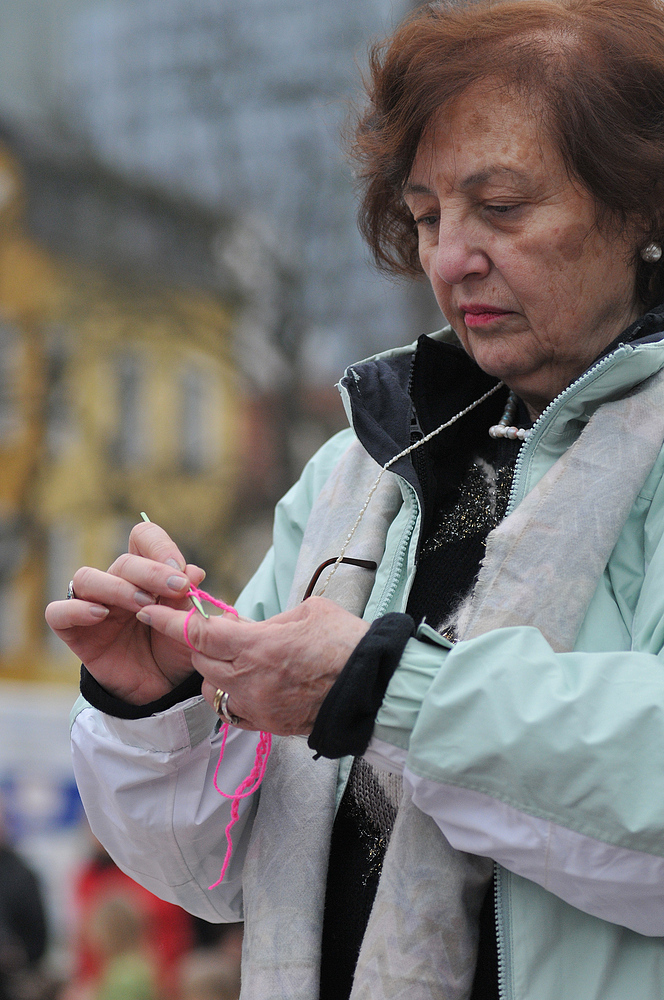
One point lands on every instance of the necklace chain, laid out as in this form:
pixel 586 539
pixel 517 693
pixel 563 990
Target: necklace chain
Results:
pixel 392 461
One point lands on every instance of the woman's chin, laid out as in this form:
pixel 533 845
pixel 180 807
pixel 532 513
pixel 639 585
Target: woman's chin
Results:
pixel 505 366
pixel 534 384
pixel 505 353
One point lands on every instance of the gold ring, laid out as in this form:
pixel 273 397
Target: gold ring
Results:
pixel 220 705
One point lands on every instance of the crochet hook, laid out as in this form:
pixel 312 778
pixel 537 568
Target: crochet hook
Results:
pixel 192 597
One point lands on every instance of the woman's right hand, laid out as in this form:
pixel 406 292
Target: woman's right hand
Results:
pixel 99 625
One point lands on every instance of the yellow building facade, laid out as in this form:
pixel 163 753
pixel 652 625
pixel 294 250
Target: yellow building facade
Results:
pixel 117 395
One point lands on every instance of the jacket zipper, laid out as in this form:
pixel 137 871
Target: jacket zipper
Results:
pixel 539 426
pixel 504 985
pixel 402 554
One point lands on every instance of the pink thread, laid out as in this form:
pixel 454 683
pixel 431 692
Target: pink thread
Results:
pixel 202 596
pixel 257 773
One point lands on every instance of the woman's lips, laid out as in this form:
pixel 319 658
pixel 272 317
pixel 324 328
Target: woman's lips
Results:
pixel 481 315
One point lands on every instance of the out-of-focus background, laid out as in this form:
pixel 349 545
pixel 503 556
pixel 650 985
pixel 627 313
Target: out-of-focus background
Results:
pixel 181 284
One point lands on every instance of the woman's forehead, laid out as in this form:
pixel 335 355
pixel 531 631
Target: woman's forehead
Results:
pixel 487 134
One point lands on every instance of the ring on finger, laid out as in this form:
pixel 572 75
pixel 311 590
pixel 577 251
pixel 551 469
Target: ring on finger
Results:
pixel 220 705
pixel 70 591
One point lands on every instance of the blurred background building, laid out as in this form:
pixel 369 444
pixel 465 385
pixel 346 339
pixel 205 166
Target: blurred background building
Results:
pixel 181 284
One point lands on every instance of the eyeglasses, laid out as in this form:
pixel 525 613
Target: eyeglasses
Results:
pixel 362 563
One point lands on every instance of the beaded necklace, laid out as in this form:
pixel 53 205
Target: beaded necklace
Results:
pixel 505 428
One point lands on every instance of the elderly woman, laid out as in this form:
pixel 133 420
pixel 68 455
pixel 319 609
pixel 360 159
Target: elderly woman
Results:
pixel 488 541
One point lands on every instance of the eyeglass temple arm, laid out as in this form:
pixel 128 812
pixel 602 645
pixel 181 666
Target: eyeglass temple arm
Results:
pixel 362 563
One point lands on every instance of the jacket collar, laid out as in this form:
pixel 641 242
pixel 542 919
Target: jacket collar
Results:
pixel 378 392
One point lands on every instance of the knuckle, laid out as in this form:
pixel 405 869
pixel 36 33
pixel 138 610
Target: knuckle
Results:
pixel 82 576
pixel 192 631
pixel 140 530
pixel 119 566
pixel 155 578
pixel 150 540
pixel 204 639
pixel 203 636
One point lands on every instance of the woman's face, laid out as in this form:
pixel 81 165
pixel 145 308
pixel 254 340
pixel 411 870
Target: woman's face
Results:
pixel 510 245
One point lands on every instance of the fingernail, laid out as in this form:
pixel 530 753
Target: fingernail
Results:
pixel 97 611
pixel 143 599
pixel 177 582
pixel 174 564
pixel 144 617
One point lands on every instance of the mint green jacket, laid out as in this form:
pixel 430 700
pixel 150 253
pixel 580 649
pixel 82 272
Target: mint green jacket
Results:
pixel 552 764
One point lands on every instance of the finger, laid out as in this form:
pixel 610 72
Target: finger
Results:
pixel 151 577
pixel 150 540
pixel 195 573
pixel 209 691
pixel 144 581
pixel 62 615
pixel 216 637
pixel 109 590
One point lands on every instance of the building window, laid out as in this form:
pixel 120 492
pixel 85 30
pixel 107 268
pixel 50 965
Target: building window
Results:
pixel 11 356
pixel 12 599
pixel 129 449
pixel 13 623
pixel 60 428
pixel 194 412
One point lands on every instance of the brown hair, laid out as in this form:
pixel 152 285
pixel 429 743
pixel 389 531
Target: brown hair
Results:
pixel 594 67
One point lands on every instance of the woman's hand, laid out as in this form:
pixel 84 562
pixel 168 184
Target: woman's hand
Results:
pixel 99 625
pixel 276 672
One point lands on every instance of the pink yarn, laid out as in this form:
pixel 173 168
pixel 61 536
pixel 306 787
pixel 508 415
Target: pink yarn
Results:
pixel 202 596
pixel 257 773
pixel 243 790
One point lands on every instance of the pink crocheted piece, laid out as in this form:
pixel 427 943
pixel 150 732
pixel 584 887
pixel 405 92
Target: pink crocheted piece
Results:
pixel 243 790
pixel 251 783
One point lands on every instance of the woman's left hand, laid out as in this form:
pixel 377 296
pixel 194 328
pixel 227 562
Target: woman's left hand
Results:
pixel 277 672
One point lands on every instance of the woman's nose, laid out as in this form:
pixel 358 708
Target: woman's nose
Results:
pixel 459 255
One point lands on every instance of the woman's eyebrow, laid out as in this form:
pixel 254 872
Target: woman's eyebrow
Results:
pixel 477 179
pixel 416 189
pixel 491 172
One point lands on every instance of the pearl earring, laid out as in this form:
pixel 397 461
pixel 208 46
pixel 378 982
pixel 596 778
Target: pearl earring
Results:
pixel 652 253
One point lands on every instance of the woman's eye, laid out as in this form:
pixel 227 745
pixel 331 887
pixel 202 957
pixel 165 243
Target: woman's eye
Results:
pixel 427 221
pixel 502 209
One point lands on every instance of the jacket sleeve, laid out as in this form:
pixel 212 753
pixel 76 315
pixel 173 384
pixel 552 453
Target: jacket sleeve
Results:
pixel 147 787
pixel 550 763
pixel 147 784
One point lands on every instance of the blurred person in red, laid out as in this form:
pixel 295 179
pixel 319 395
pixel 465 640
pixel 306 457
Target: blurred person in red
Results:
pixel 169 931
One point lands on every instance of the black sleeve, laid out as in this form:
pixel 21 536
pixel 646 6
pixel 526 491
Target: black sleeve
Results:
pixel 99 697
pixel 345 721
